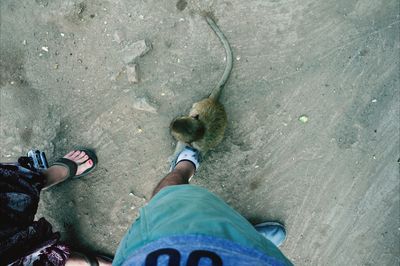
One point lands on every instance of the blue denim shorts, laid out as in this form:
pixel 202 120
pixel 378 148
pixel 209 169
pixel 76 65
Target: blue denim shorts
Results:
pixel 188 210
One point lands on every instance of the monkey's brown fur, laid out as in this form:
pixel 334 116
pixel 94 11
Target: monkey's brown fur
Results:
pixel 204 127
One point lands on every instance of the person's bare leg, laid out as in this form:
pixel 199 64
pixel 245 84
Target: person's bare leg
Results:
pixel 56 174
pixel 179 176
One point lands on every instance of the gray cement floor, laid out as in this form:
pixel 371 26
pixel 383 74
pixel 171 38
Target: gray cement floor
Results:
pixel 334 180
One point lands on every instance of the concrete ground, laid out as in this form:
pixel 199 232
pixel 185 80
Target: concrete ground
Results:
pixel 68 80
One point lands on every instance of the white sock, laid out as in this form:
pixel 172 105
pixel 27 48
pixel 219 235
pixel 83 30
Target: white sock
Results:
pixel 188 154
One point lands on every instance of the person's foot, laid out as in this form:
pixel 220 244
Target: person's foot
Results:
pixel 273 231
pixel 79 259
pixel 188 159
pixel 57 173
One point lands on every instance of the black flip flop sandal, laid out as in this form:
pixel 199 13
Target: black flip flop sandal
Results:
pixel 92 259
pixel 73 166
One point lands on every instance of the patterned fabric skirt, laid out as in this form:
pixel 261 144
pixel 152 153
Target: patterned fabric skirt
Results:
pixel 24 241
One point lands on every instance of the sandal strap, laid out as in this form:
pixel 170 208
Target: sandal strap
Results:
pixel 69 164
pixel 91 259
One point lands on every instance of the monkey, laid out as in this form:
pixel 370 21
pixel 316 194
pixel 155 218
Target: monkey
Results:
pixel 204 127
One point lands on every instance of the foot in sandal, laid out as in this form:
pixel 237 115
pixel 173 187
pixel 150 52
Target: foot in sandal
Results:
pixel 79 259
pixel 75 164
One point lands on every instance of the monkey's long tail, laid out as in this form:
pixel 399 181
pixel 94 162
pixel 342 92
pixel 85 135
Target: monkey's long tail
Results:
pixel 215 93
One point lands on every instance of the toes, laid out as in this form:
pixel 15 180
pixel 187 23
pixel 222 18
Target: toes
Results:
pixel 69 154
pixel 73 155
pixel 83 167
pixel 76 154
pixel 82 158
